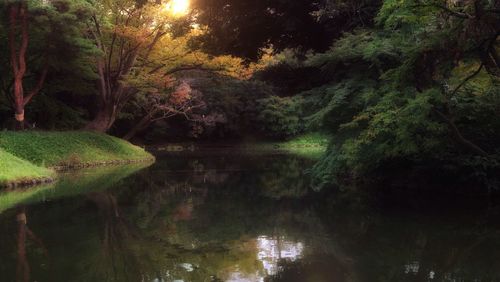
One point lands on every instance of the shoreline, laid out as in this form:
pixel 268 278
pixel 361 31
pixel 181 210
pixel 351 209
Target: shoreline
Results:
pixel 33 182
pixel 23 165
pixel 311 150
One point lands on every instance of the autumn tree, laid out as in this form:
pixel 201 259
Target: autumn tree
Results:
pixel 182 100
pixel 142 45
pixel 128 34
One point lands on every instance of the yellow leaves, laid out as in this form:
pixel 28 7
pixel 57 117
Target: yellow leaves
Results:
pixel 175 52
pixel 231 66
pixel 145 40
pixel 132 34
pixel 153 83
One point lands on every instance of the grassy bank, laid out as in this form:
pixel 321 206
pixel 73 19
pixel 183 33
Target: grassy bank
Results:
pixel 312 145
pixel 16 170
pixel 308 145
pixel 32 154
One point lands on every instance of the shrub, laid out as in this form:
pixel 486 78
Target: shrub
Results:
pixel 280 117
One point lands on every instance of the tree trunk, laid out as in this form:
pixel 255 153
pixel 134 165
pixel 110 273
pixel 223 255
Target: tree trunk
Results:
pixel 18 102
pixel 103 120
pixel 18 19
pixel 17 12
pixel 141 125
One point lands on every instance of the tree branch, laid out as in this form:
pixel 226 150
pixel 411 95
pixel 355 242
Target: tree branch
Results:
pixel 38 86
pixel 458 135
pixel 466 80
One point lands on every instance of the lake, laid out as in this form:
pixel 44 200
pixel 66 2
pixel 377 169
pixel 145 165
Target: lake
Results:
pixel 233 216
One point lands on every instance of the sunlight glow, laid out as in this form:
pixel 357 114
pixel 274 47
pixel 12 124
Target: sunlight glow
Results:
pixel 178 7
pixel 274 249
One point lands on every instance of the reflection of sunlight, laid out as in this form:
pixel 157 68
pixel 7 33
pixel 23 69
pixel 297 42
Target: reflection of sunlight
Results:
pixel 414 268
pixel 271 250
pixel 187 266
pixel 240 277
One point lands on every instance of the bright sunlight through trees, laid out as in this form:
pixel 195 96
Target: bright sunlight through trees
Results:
pixel 178 7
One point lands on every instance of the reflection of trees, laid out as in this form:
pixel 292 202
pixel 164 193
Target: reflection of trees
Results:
pixel 198 219
pixel 70 184
pixel 23 268
pixel 285 177
pixel 180 221
pixel 132 239
pixel 451 254
pixel 406 246
pixel 24 233
pixel 237 211
pixel 118 261
pixel 318 269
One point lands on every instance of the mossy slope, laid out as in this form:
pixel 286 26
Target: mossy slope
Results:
pixel 30 154
pixel 14 169
pixel 51 149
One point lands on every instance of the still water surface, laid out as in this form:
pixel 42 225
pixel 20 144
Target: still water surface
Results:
pixel 232 217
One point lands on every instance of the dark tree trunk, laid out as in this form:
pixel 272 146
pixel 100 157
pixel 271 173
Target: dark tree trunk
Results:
pixel 103 120
pixel 141 125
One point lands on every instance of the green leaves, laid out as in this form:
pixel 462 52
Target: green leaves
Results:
pixel 396 14
pixel 281 117
pixel 386 84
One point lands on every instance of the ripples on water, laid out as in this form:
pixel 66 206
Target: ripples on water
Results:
pixel 232 218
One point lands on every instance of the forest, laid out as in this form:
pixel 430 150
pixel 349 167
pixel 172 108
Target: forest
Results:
pixel 394 85
pixel 329 103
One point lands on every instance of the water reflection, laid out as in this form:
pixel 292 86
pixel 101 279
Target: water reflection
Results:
pixel 70 184
pixel 273 250
pixel 223 218
pixel 25 236
pixel 23 269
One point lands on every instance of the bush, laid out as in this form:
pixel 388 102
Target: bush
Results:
pixel 280 117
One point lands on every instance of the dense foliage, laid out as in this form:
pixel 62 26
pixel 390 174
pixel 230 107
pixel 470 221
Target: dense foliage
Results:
pixel 412 90
pixel 244 27
pixel 405 87
pixel 418 90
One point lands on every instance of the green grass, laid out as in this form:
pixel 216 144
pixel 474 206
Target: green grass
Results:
pixel 310 140
pixel 51 149
pixel 311 145
pixel 29 155
pixel 14 169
